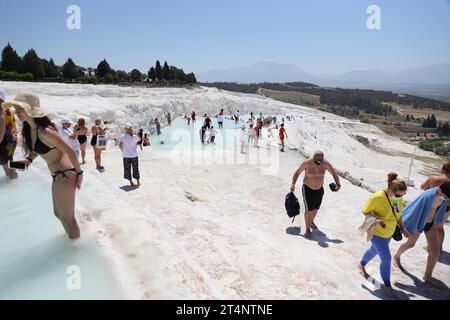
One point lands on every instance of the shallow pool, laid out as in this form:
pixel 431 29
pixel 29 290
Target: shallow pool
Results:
pixel 37 260
pixel 182 135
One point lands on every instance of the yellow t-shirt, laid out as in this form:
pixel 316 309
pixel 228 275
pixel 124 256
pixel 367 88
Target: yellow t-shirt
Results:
pixel 379 205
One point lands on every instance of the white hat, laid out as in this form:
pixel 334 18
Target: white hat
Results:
pixel 66 120
pixel 2 95
pixel 128 126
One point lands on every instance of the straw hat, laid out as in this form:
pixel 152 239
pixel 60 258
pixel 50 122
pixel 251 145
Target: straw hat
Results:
pixel 29 102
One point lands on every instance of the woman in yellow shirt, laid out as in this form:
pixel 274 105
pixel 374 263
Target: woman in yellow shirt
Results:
pixel 383 204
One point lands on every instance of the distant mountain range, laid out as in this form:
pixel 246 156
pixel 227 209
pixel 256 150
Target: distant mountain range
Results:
pixel 429 80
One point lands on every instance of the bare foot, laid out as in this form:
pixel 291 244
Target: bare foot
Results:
pixel 308 234
pixel 390 292
pixel 132 183
pixel 397 262
pixel 362 271
pixel 12 174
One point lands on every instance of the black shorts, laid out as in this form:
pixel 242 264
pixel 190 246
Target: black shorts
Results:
pixel 428 226
pixel 312 199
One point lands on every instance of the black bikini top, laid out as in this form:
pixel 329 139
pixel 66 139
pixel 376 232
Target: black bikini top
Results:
pixel 40 147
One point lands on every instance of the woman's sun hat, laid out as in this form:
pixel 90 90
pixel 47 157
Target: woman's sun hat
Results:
pixel 29 102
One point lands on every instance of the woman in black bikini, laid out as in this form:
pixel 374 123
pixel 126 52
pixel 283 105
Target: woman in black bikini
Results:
pixel 82 138
pixel 40 137
pixel 96 130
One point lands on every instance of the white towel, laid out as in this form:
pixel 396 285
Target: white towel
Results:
pixel 368 225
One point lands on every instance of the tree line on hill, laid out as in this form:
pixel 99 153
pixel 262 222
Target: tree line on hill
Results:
pixel 443 129
pixel 341 101
pixel 31 67
pixel 345 102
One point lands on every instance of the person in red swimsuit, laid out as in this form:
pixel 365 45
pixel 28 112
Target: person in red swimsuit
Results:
pixel 282 134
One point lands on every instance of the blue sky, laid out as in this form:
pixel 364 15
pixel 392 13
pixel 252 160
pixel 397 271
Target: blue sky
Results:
pixel 321 36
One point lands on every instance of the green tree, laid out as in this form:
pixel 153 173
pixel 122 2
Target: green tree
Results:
pixel 51 69
pixel 123 76
pixel 158 71
pixel 152 74
pixel 165 73
pixel 445 129
pixel 136 75
pixel 70 70
pixel 10 59
pixel 33 64
pixel 190 78
pixel 103 69
pixel 433 121
pixel 178 74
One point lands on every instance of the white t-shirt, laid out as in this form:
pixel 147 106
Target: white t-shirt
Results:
pixel 220 118
pixel 129 145
pixel 74 143
pixel 242 136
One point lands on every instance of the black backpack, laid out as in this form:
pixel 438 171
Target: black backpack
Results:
pixel 292 205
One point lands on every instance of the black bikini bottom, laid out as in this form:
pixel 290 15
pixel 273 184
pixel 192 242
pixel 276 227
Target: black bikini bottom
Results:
pixel 63 173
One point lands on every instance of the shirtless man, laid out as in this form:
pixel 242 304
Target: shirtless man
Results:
pixel 435 181
pixel 312 190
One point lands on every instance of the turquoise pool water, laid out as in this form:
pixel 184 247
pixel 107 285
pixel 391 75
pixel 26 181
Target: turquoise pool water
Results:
pixel 37 260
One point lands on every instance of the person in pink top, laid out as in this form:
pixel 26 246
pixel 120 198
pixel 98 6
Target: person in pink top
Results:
pixel 251 135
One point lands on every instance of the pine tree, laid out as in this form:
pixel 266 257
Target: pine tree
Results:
pixel 10 59
pixel 51 70
pixel 103 69
pixel 190 78
pixel 165 73
pixel 446 129
pixel 427 122
pixel 433 121
pixel 33 64
pixel 136 75
pixel 69 69
pixel 152 74
pixel 158 71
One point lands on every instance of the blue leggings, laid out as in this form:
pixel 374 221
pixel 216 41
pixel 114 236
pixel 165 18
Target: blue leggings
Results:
pixel 380 247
